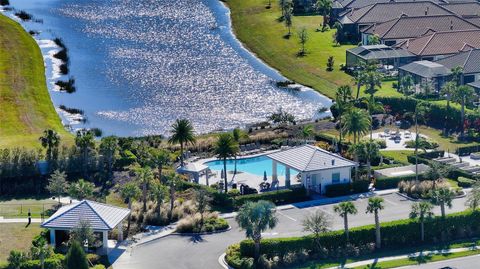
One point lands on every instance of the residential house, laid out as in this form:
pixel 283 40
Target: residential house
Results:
pixel 464 9
pixel 384 55
pixel 425 74
pixel 469 61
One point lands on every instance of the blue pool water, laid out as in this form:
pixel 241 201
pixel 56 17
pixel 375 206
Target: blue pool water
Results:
pixel 255 165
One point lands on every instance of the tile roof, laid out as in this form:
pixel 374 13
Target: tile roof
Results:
pixel 364 3
pixel 465 9
pixel 426 69
pixel 308 158
pixel 474 20
pixel 468 60
pixel 382 12
pixel 379 52
pixel 411 27
pixel 100 216
pixel 475 84
pixel 443 43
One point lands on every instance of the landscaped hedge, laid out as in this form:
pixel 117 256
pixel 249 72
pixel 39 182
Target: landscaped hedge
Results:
pixel 335 190
pixel 277 197
pixel 465 151
pixel 426 157
pixel 395 234
pixel 465 182
pixel 54 262
pixel 384 183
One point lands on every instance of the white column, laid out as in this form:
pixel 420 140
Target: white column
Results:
pixel 52 237
pixel 105 242
pixel 274 172
pixel 287 177
pixel 120 232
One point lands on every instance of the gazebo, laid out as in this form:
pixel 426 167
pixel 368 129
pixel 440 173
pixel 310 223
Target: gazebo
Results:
pixel 318 167
pixel 195 170
pixel 102 218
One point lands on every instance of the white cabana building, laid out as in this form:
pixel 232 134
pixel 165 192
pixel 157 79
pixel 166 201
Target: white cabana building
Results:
pixel 318 168
pixel 194 170
pixel 101 217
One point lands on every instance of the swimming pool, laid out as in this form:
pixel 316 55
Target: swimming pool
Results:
pixel 254 165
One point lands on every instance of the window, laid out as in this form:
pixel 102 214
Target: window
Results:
pixel 335 177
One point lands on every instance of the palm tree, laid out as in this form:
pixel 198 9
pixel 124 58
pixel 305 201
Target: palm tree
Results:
pixel 373 79
pixel 461 95
pixel 356 150
pixel 436 172
pixel 172 185
pixel 457 75
pixel 371 151
pixel 144 177
pixel 225 148
pixel 109 151
pixel 344 209
pixel 406 84
pixel 158 193
pixel 419 113
pixel 473 198
pixel 442 197
pixel 85 141
pixel 317 223
pixel 50 140
pixel 356 122
pixel 159 159
pixel 238 135
pixel 307 132
pixel 81 189
pixel 422 211
pixel 373 107
pixel 323 7
pixel 448 89
pixel 130 192
pixel 375 204
pixel 343 98
pixel 256 218
pixel 359 78
pixel 183 134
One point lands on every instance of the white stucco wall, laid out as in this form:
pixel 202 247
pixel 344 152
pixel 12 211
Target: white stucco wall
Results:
pixel 324 177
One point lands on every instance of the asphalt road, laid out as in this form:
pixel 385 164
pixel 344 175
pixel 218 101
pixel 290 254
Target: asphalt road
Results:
pixel 472 262
pixel 185 252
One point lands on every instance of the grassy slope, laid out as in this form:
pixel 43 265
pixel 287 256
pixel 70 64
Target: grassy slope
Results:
pixel 26 108
pixel 260 31
pixel 16 236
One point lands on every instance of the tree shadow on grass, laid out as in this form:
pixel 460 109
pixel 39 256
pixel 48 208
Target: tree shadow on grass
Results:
pixel 421 258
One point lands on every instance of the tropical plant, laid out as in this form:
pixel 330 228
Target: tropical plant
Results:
pixel 50 140
pixel 461 95
pixel 85 141
pixel 375 204
pixel 373 107
pixel 158 193
pixel 183 134
pixel 356 122
pixel 172 179
pixel 57 184
pixel 373 80
pixel 373 39
pixel 302 39
pixel 83 233
pixel 225 148
pixel 81 189
pixel 343 98
pixel 442 197
pixel 255 218
pixel 281 117
pixel 371 151
pixel 160 158
pixel 76 258
pixel 317 223
pixel 144 177
pixel 16 259
pixel 130 192
pixel 344 209
pixel 422 211
pixel 448 90
pixel 330 63
pixel 473 198
pixel 457 75
pixel 406 84
pixel 419 114
pixel 109 151
pixel 436 172
pixel 356 150
pixel 323 7
pixel 203 203
pixel 307 132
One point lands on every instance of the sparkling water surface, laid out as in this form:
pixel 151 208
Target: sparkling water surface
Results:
pixel 139 65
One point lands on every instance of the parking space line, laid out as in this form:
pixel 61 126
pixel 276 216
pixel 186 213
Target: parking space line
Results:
pixel 286 216
pixel 390 202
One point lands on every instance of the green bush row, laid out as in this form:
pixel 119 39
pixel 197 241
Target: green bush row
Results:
pixel 284 196
pixel 466 150
pixel 384 183
pixel 395 234
pixel 465 182
pixel 54 262
pixel 335 190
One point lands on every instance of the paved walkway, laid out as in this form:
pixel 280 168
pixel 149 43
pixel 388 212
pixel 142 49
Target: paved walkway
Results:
pixel 406 256
pixel 18 220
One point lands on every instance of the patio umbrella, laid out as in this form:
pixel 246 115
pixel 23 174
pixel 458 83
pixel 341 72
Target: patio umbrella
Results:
pixel 265 176
pixel 221 174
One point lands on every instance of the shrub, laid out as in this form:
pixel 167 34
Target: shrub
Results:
pixel 464 151
pixel 93 258
pixel 465 182
pixel 277 197
pixel 384 183
pixel 419 189
pixel 98 266
pixel 212 223
pixel 346 188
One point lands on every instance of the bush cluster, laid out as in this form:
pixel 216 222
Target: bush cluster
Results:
pixel 277 197
pixel 335 190
pixel 465 182
pixel 192 223
pixel 420 189
pixel 466 150
pixel 384 183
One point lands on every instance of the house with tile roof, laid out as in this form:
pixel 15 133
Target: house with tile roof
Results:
pixel 464 9
pixel 382 54
pixel 425 73
pixel 318 168
pixel 469 61
pixel 400 29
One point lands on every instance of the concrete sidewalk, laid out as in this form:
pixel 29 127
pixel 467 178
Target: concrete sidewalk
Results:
pixel 18 220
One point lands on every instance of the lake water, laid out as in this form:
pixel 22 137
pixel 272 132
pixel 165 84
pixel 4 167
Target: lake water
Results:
pixel 141 64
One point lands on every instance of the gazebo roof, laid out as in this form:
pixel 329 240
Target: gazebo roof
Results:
pixel 308 158
pixel 192 168
pixel 101 217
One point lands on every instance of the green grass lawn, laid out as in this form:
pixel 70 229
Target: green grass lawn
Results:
pixel 16 208
pixel 16 236
pixel 259 29
pixel 26 108
pixel 399 156
pixel 446 143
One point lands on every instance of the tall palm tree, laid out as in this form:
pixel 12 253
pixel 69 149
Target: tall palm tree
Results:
pixel 144 178
pixel 307 132
pixel 85 141
pixel 109 151
pixel 442 197
pixel 360 78
pixel 373 80
pixel 343 98
pixel 172 179
pixel 323 7
pixel 158 193
pixel 373 107
pixel 357 150
pixel 457 75
pixel 344 209
pixel 159 159
pixel 225 148
pixel 50 140
pixel 460 95
pixel 473 198
pixel 422 211
pixel 256 218
pixel 406 84
pixel 371 151
pixel 448 89
pixel 81 189
pixel 129 192
pixel 419 114
pixel 317 223
pixel 375 204
pixel 183 134
pixel 436 172
pixel 356 122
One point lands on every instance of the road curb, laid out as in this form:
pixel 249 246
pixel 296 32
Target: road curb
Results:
pixel 223 262
pixel 204 233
